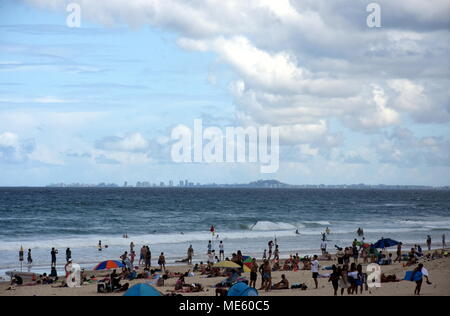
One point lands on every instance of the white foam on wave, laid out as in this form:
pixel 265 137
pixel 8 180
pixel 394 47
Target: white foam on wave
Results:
pixel 272 226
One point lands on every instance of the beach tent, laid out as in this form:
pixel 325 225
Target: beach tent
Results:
pixel 142 290
pixel 248 264
pixel 109 265
pixel 227 264
pixel 385 243
pixel 242 289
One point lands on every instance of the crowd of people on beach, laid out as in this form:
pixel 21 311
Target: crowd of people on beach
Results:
pixel 346 274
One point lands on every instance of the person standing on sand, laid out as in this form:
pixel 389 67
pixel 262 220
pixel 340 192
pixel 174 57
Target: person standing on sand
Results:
pixel 444 244
pixel 131 247
pixel 399 253
pixel 29 258
pixel 323 247
pixel 267 275
pixel 68 254
pixel 142 256
pixel 221 251
pixel 162 262
pixel 148 257
pixel 190 254
pixel 424 273
pixel 253 274
pixel 315 271
pixel 429 242
pixel 270 244
pixel 53 254
pixel 209 247
pixel 276 255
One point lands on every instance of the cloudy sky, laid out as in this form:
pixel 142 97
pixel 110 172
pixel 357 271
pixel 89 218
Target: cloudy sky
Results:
pixel 98 103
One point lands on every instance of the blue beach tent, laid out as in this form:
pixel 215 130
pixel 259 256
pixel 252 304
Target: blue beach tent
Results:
pixel 242 289
pixel 142 290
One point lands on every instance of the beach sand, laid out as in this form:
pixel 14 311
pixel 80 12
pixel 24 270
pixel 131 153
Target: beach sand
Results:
pixel 439 270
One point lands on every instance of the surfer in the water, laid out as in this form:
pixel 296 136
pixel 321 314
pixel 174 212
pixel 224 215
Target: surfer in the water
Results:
pixel 297 232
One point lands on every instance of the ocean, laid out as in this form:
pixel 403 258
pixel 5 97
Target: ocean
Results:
pixel 171 219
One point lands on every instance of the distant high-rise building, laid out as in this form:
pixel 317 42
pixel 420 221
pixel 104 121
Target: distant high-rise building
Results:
pixel 170 183
pixel 186 183
pixel 181 183
pixel 125 184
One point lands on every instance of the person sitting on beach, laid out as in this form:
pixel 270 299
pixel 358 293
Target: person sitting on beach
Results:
pixel 233 275
pixel 389 278
pixel 276 265
pixel 180 284
pixel 15 281
pixel 412 259
pixel 282 285
pixel 286 266
pixel 115 280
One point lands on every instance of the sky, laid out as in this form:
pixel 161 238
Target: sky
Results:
pixel 98 103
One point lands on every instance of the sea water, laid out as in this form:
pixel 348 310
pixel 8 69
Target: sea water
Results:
pixel 171 219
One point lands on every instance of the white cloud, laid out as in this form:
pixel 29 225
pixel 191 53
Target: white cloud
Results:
pixel 130 143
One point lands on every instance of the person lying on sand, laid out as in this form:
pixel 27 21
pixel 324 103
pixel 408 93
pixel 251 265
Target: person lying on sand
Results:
pixel 389 278
pixel 282 285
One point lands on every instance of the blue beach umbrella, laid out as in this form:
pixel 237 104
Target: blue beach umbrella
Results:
pixel 242 289
pixel 385 243
pixel 142 290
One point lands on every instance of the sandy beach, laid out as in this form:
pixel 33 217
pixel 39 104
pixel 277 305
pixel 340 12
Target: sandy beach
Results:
pixel 439 270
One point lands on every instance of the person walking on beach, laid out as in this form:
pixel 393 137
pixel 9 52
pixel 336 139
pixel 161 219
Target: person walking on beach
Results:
pixel 190 254
pixel 429 242
pixel 162 262
pixel 221 251
pixel 68 254
pixel 315 271
pixel 419 281
pixel 53 254
pixel 444 244
pixel 29 257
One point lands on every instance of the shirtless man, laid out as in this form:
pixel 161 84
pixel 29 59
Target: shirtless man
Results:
pixel 282 285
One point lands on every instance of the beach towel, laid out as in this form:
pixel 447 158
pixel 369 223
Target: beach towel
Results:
pixel 417 277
